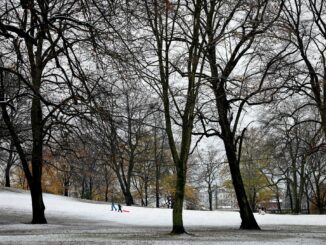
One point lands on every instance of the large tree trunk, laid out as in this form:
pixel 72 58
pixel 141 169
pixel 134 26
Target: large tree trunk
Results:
pixel 37 203
pixel 125 187
pixel 37 160
pixel 247 217
pixel 34 180
pixel 7 176
pixel 246 214
pixel 66 191
pixel 128 197
pixel 178 227
pixel 7 184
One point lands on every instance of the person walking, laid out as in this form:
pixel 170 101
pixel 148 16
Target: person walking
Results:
pixel 119 208
pixel 113 207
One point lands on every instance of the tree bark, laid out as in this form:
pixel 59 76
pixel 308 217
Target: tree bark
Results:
pixel 146 191
pixel 246 214
pixel 37 203
pixel 278 199
pixel 157 168
pixel 128 197
pixel 9 165
pixel 66 191
pixel 106 191
pixel 66 185
pixel 223 106
pixel 210 197
pixel 34 178
pixel 37 156
pixel 323 111
pixel 7 174
pixel 157 185
pixel 178 227
pixel 162 25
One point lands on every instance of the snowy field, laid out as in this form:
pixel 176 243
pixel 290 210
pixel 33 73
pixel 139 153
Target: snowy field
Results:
pixel 72 221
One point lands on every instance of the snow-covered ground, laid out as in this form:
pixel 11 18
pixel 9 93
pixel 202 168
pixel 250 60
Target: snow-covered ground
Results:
pixel 72 221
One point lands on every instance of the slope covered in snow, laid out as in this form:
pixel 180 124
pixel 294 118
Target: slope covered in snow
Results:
pixel 70 218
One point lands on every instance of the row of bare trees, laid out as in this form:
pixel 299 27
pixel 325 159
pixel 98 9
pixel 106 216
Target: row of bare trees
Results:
pixel 115 74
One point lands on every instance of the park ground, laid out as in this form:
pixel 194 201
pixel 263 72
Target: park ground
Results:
pixel 73 221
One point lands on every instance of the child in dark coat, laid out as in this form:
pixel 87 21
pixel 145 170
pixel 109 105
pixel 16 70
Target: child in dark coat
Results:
pixel 119 208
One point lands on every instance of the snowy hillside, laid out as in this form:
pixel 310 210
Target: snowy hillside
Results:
pixel 70 207
pixel 69 212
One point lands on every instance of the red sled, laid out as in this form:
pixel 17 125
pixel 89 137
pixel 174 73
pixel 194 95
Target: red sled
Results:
pixel 126 211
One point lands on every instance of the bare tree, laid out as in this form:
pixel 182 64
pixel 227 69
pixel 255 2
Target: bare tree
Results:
pixel 235 78
pixel 168 24
pixel 294 143
pixel 316 184
pixel 39 52
pixel 304 27
pixel 209 163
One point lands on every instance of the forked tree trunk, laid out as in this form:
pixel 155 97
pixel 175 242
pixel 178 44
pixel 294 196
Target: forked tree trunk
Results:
pixel 33 177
